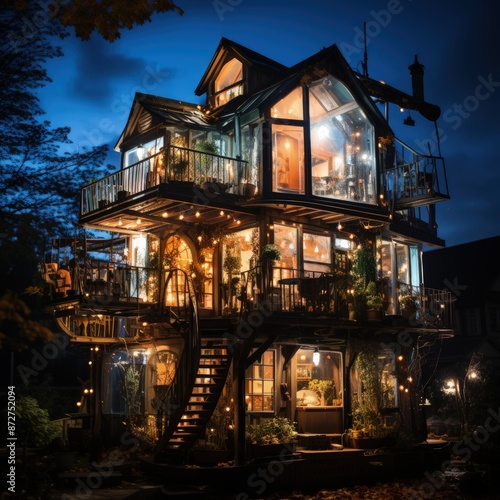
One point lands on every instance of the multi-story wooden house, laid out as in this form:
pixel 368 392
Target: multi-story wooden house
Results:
pixel 235 227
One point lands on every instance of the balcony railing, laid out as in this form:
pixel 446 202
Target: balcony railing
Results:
pixel 206 170
pixel 412 179
pixel 316 293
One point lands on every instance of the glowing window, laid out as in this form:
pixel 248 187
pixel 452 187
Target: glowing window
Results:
pixel 342 144
pixel 231 73
pixel 228 84
pixel 290 106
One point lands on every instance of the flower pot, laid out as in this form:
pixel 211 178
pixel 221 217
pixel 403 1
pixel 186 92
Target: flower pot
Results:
pixel 122 195
pixel 373 314
pixel 248 189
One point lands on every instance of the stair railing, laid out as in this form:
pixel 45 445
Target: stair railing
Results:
pixel 184 315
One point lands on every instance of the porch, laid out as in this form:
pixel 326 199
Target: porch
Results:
pixel 107 301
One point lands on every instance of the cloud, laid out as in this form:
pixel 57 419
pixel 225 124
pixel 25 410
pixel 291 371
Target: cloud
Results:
pixel 98 66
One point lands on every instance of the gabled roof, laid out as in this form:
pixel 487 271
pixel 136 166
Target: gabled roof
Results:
pixel 254 59
pixel 326 61
pixel 165 110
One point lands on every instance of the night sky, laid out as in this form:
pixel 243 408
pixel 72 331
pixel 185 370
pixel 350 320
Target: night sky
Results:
pixel 95 82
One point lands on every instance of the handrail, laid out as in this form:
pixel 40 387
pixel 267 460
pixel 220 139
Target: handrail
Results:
pixel 408 175
pixel 173 163
pixel 174 401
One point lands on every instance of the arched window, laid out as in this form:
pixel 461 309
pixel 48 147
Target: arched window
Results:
pixel 229 83
pixel 178 255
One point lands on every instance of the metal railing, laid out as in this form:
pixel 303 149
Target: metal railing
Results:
pixel 206 170
pixel 408 175
pixel 291 290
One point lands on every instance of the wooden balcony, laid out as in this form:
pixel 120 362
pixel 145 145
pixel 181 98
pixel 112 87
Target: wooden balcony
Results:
pixel 175 164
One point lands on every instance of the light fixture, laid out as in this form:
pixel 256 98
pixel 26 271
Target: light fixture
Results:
pixel 120 222
pixel 340 226
pixel 409 121
pixel 138 221
pixel 164 214
pixel 316 356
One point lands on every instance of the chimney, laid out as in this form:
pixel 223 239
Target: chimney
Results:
pixel 417 79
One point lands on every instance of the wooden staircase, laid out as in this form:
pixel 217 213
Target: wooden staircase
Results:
pixel 211 374
pixel 187 406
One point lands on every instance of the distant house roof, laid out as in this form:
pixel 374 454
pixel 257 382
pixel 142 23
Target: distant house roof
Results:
pixel 470 270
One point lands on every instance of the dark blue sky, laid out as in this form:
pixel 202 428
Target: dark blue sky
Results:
pixel 95 82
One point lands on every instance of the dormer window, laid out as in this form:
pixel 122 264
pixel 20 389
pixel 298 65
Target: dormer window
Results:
pixel 229 83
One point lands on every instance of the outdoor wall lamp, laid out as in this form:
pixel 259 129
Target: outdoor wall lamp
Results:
pixel 316 357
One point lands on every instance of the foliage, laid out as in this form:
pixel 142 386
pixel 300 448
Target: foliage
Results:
pixel 374 300
pixel 209 235
pixel 364 267
pixel 179 167
pixel 321 386
pixel 198 276
pixel 17 330
pixel 269 253
pixel 408 303
pixel 275 430
pixel 375 370
pixel 232 262
pixel 33 425
pixel 108 18
pixel 41 174
pixel 208 147
pixel 363 271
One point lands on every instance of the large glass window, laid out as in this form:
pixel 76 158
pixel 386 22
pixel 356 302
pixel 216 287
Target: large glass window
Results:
pixel 289 107
pixel 286 237
pixel 143 151
pixel 288 158
pixel 342 144
pixel 240 254
pixel 260 384
pixel 317 252
pixel 177 254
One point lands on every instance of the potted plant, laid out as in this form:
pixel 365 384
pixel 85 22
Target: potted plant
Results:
pixel 178 168
pixel 269 254
pixel 321 387
pixel 363 271
pixel 374 301
pixel 271 437
pixel 210 174
pixel 409 305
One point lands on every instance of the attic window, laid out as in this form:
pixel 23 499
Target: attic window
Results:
pixel 229 83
